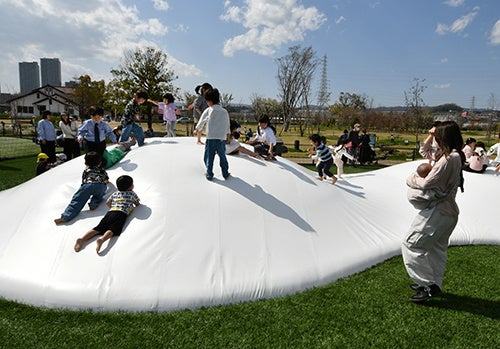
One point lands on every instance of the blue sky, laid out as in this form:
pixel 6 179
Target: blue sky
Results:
pixel 373 47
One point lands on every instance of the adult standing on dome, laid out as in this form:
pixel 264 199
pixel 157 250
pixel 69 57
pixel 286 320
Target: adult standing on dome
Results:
pixel 199 105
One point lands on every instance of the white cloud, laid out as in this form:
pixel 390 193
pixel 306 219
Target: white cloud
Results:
pixel 495 34
pixel 161 5
pixel 442 86
pixel 183 69
pixel 78 31
pixel 454 3
pixel 340 20
pixel 269 24
pixel 156 27
pixel 444 60
pixel 181 28
pixel 458 25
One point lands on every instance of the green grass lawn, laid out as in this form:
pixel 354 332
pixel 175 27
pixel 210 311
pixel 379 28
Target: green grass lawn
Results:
pixel 16 171
pixel 366 310
pixel 11 147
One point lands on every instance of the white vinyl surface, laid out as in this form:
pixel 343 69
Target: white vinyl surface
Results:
pixel 271 230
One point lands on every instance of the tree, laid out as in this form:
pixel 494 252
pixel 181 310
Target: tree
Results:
pixel 143 68
pixel 295 72
pixel 349 108
pixel 268 106
pixel 414 103
pixel 225 100
pixel 88 93
pixel 188 97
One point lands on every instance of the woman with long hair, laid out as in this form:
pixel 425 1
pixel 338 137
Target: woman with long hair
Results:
pixel 69 129
pixel 425 246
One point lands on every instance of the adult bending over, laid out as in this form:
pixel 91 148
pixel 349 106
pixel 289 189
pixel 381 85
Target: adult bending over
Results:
pixel 425 246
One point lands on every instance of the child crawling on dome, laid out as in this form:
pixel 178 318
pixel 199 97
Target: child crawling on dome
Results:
pixel 121 203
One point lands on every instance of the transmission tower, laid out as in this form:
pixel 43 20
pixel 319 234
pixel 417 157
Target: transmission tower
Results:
pixel 471 110
pixel 324 93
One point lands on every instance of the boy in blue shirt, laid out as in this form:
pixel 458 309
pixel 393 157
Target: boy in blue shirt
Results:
pixel 95 130
pixel 47 136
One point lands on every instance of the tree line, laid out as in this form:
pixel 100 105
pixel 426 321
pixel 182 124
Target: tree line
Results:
pixel 148 69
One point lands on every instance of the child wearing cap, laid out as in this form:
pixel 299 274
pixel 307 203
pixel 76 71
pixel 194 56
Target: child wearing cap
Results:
pixel 42 163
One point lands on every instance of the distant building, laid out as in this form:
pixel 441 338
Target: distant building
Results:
pixel 29 76
pixel 35 102
pixel 4 105
pixel 51 71
pixel 71 84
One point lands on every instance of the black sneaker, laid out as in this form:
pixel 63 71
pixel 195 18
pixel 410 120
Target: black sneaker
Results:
pixel 426 293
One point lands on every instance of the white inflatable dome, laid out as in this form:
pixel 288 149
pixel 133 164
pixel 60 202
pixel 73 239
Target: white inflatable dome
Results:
pixel 272 229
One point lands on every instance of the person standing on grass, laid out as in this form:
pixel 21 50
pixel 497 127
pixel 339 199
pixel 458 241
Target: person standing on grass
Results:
pixel 130 116
pixel 69 129
pixel 354 138
pixel 217 120
pixel 47 136
pixel 425 246
pixel 121 203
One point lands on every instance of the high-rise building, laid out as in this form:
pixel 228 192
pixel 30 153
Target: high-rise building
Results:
pixel 29 76
pixel 51 71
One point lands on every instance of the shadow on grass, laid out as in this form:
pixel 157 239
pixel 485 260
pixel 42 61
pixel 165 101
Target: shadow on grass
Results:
pixel 9 168
pixel 483 307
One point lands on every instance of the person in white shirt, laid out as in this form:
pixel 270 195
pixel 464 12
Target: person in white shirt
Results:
pixel 338 152
pixel 265 138
pixel 69 130
pixel 495 148
pixel 216 119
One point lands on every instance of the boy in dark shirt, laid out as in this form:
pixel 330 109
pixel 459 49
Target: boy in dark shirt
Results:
pixel 130 116
pixel 94 185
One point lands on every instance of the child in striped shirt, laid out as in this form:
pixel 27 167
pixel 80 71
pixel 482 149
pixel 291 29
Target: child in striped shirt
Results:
pixel 324 157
